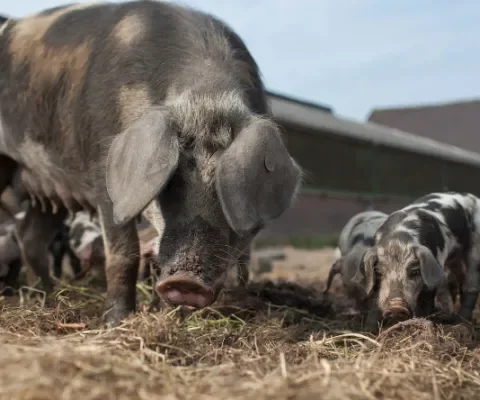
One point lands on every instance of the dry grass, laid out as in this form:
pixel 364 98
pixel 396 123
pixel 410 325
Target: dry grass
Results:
pixel 243 348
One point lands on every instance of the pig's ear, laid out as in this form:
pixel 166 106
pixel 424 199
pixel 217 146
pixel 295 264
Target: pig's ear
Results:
pixel 141 160
pixel 365 275
pixel 335 269
pixel 256 178
pixel 431 270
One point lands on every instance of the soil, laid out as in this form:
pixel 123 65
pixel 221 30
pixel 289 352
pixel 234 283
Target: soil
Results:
pixel 279 337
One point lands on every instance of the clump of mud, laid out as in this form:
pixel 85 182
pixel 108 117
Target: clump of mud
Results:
pixel 297 300
pixel 290 294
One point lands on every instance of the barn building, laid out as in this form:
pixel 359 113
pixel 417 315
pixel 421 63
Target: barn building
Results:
pixel 384 163
pixel 456 123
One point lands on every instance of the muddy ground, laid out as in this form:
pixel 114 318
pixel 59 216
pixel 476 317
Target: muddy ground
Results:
pixel 279 338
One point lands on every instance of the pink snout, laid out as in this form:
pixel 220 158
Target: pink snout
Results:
pixel 86 254
pixel 183 290
pixel 397 310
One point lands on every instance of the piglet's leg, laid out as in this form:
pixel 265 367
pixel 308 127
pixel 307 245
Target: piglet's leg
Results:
pixel 425 304
pixel 57 249
pixel 373 314
pixel 470 289
pixel 35 233
pixel 444 300
pixel 74 261
pixel 11 280
pixel 7 170
pixel 122 261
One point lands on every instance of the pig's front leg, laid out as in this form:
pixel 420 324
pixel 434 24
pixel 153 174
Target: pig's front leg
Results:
pixel 470 289
pixel 122 259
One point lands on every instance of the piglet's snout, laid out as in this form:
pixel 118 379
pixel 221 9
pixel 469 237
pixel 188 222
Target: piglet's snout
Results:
pixel 184 290
pixel 397 310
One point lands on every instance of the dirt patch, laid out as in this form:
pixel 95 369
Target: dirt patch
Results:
pixel 303 265
pixel 269 340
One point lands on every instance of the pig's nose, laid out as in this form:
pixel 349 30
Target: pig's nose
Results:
pixel 185 291
pixel 397 310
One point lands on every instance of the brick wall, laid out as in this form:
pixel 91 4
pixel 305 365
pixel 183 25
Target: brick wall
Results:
pixel 315 214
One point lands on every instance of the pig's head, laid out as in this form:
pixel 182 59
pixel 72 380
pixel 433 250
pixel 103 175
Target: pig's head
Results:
pixel 212 175
pixel 402 270
pixel 348 265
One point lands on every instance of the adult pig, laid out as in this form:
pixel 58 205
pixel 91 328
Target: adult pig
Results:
pixel 150 107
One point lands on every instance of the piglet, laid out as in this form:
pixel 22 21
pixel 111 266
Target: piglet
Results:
pixel 416 248
pixel 355 239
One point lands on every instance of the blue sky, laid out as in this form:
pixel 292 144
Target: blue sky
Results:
pixel 351 55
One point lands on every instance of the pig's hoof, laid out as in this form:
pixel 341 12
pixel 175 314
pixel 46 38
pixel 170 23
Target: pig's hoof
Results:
pixel 116 314
pixel 112 320
pixel 111 324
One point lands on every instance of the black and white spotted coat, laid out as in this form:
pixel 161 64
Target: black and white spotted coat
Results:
pixel 448 224
pixel 360 229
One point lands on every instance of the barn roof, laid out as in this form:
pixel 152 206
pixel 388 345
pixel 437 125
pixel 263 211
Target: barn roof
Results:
pixel 295 100
pixel 290 112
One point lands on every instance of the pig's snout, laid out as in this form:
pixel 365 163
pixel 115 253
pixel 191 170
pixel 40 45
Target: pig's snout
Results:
pixel 187 291
pixel 397 310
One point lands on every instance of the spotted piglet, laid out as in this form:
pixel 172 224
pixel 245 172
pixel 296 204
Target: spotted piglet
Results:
pixel 10 259
pixel 355 239
pixel 86 242
pixel 416 247
pixel 11 254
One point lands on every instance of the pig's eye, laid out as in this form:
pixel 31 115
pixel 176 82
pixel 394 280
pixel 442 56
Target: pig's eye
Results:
pixel 414 271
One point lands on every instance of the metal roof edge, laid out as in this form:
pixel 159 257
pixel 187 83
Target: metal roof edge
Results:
pixel 310 118
pixel 307 103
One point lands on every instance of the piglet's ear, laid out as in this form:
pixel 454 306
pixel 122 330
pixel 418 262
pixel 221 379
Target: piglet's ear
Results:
pixel 431 270
pixel 335 269
pixel 365 275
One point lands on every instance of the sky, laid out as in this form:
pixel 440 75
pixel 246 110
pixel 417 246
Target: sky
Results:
pixel 352 55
